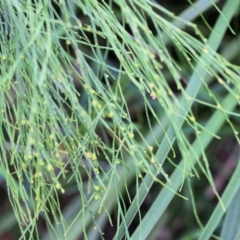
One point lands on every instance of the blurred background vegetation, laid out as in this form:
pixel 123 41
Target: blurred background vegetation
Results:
pixel 178 220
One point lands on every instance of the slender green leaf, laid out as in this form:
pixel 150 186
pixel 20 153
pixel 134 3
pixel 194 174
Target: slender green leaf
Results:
pixel 230 228
pixel 191 91
pixel 216 216
pixel 165 196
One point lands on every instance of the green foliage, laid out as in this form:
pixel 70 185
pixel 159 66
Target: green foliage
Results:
pixel 100 101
